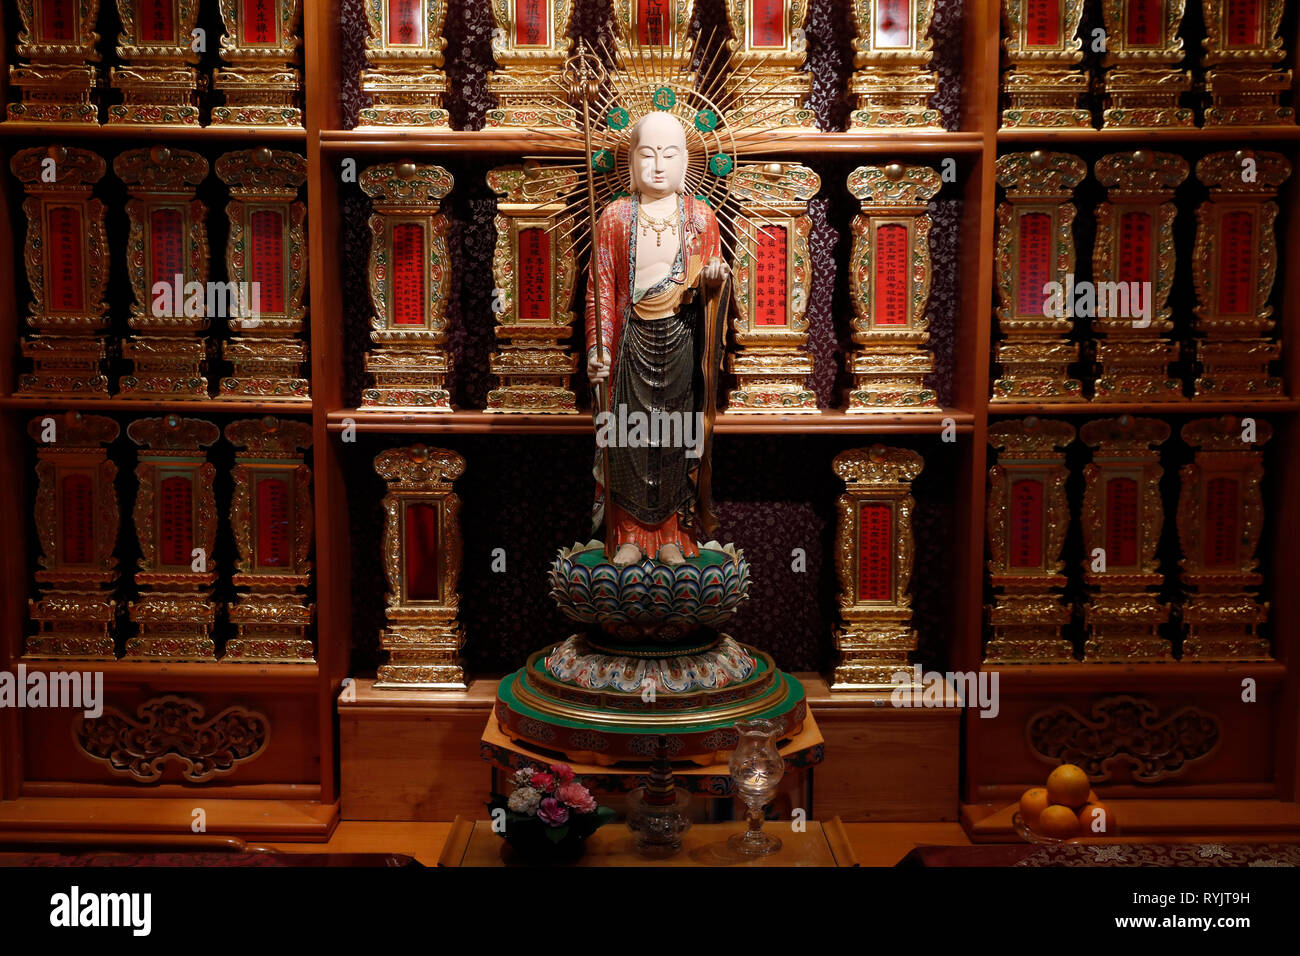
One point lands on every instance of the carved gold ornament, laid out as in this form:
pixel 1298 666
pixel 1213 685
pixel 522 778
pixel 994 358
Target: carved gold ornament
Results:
pixel 422 552
pixel 873 559
pixel 1243 50
pixel 530 44
pixel 1143 49
pixel 766 74
pixel 171 730
pixel 1028 515
pixel 76 518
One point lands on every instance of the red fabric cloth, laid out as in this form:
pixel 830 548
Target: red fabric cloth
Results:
pixel 649 538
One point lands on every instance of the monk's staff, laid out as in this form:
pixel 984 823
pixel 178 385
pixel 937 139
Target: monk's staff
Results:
pixel 715 314
pixel 586 82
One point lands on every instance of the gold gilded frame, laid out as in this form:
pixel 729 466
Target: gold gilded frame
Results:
pixel 769 81
pixel 1122 616
pixel 1232 349
pixel 76 615
pixel 675 54
pixel 68 351
pixel 1143 85
pixel 533 368
pixel 1027 613
pixel 526 79
pixel 410 364
pixel 1221 616
pixel 175 612
pixel 270 613
pixel 890 362
pixel 876 637
pixel 1243 81
pixel 423 638
pixel 771 363
pixel 261 83
pixel 893 84
pixel 59 80
pixel 1134 361
pixel 169 353
pixel 1044 83
pixel 1035 353
pixel 159 82
pixel 267 354
pixel 406 82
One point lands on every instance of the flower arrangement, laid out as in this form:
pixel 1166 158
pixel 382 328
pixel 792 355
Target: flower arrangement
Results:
pixel 548 812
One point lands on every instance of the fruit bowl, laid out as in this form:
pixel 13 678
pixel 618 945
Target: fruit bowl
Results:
pixel 1030 836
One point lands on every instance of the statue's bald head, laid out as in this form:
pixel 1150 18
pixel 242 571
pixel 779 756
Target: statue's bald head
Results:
pixel 657 154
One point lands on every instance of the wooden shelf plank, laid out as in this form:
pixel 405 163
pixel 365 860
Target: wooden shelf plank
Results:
pixel 1179 675
pixel 1216 135
pixel 476 421
pixel 514 141
pixel 1243 406
pixel 153 132
pixel 302 820
pixel 184 672
pixel 1158 821
pixel 206 406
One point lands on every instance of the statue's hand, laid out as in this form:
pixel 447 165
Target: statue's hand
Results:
pixel 597 371
pixel 716 271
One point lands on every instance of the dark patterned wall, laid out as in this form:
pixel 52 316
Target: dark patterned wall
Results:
pixel 531 494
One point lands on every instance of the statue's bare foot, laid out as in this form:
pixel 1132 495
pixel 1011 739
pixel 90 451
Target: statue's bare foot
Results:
pixel 671 555
pixel 627 554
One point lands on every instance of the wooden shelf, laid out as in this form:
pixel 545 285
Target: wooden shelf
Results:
pixel 1210 136
pixel 1172 675
pixel 1245 406
pixel 515 141
pixel 205 406
pixel 187 674
pixel 475 421
pixel 161 132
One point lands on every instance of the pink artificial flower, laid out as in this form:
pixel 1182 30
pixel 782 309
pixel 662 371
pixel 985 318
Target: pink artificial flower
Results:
pixel 552 812
pixel 563 772
pixel 542 781
pixel 576 796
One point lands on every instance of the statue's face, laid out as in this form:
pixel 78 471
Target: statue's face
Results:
pixel 658 156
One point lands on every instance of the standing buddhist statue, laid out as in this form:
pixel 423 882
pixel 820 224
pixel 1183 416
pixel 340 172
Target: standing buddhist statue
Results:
pixel 657 258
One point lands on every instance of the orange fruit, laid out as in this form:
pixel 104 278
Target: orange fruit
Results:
pixel 1058 821
pixel 1032 802
pixel 1068 785
pixel 1096 819
pixel 1092 797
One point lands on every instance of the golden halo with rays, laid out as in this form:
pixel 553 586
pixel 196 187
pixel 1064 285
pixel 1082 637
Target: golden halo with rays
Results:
pixel 629 87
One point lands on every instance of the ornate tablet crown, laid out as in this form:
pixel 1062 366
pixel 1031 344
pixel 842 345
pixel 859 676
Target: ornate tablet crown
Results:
pixel 1030 435
pixel 1224 434
pixel 1141 171
pixel 406 184
pixel 1225 172
pixel 878 463
pixel 420 465
pixel 894 184
pixel 262 172
pixel 772 184
pixel 531 183
pixel 1040 174
pixel 75 429
pixel 1124 433
pixel 270 437
pixel 173 433
pixel 160 169
pixel 73 168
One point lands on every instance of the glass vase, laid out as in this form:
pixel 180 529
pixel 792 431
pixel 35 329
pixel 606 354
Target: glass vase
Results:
pixel 756 769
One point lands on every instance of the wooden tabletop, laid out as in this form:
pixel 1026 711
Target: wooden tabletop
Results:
pixel 472 843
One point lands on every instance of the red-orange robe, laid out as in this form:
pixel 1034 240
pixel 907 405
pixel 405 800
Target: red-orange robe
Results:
pixel 612 258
